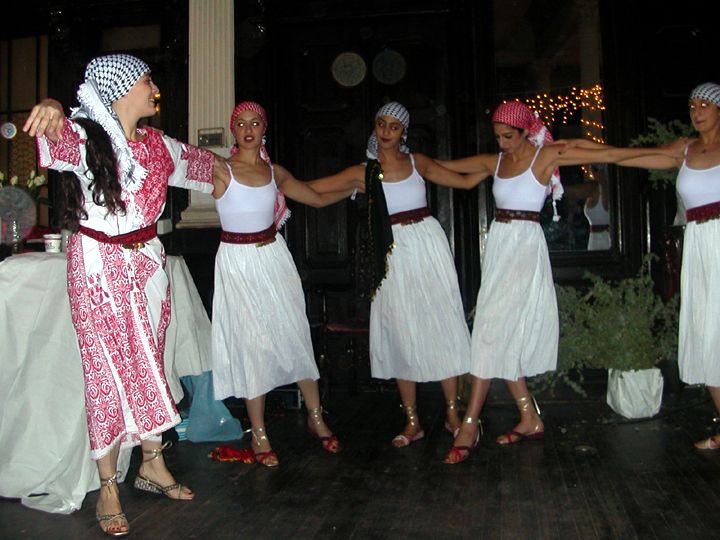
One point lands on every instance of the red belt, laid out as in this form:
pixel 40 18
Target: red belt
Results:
pixel 132 240
pixel 704 213
pixel 506 216
pixel 411 216
pixel 261 238
pixel 599 228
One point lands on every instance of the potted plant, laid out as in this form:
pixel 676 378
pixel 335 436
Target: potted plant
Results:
pixel 623 327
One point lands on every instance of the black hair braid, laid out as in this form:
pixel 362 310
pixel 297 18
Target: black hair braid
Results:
pixel 105 186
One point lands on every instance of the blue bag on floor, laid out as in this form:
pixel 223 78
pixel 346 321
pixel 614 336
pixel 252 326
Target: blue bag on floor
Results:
pixel 209 419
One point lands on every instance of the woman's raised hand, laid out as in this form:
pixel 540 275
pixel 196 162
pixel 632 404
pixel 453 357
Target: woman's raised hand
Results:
pixel 46 118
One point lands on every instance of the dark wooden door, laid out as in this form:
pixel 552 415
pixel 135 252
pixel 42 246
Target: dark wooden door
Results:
pixel 333 70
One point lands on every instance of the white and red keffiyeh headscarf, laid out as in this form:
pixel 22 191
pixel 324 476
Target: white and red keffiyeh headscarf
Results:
pixel 519 115
pixel 399 112
pixel 282 212
pixel 107 79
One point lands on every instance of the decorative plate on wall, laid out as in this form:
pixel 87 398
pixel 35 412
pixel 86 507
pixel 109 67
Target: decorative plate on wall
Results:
pixel 389 67
pixel 349 69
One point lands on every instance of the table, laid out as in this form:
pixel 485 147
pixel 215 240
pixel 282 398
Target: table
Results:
pixel 44 446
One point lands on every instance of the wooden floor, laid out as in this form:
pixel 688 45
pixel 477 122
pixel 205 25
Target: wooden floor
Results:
pixel 596 475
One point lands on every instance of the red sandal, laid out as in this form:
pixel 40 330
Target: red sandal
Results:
pixel 458 454
pixel 330 443
pixel 269 458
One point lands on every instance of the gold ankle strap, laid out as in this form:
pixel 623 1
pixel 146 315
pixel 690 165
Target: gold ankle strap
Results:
pixel 316 413
pixel 108 482
pixel 258 434
pixel 411 413
pixel 471 420
pixel 452 404
pixel 156 452
pixel 525 402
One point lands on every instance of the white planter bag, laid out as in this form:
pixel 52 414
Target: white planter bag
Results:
pixel 636 393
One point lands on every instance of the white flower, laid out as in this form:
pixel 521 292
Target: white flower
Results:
pixel 14 181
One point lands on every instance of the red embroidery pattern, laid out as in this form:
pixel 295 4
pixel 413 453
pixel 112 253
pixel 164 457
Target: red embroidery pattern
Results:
pixel 110 314
pixel 200 163
pixel 66 149
pixel 152 154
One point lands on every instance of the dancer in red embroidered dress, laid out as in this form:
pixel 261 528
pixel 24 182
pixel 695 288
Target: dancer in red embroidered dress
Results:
pixel 113 190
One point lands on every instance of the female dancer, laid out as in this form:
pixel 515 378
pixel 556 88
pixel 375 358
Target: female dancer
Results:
pixel 260 332
pixel 515 332
pixel 119 295
pixel 418 330
pixel 698 183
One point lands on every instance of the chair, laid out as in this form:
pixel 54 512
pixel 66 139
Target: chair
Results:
pixel 353 326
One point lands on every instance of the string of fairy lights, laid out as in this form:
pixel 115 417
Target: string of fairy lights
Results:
pixel 564 107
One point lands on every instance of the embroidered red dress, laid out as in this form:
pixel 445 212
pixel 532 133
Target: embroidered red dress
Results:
pixel 119 297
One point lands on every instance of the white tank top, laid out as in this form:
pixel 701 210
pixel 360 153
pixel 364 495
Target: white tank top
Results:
pixel 597 215
pixel 698 187
pixel 407 194
pixel 247 209
pixel 521 192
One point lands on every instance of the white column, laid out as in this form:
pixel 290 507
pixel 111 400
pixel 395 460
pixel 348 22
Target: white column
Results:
pixel 211 79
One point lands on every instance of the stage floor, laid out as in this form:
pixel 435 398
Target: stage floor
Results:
pixel 596 475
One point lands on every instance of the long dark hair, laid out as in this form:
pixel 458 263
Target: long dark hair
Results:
pixel 105 186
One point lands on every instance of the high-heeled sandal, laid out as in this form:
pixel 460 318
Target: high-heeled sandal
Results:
pixel 144 484
pixel 712 442
pixel 401 440
pixel 452 405
pixel 458 454
pixel 538 432
pixel 108 519
pixel 331 443
pixel 269 458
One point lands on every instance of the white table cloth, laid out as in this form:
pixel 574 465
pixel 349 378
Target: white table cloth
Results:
pixel 44 446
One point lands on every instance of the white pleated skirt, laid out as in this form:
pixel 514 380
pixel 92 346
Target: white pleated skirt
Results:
pixel 260 332
pixel 699 329
pixel 516 328
pixel 418 330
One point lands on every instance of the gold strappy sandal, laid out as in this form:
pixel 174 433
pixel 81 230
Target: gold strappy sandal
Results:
pixel 108 519
pixel 401 440
pixel 331 443
pixel 264 458
pixel 452 405
pixel 538 432
pixel 144 484
pixel 458 454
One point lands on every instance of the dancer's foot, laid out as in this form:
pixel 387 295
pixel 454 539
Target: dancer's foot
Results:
pixel 155 477
pixel 412 432
pixel 531 426
pixel 466 440
pixel 108 510
pixel 452 417
pixel 711 443
pixel 318 428
pixel 264 454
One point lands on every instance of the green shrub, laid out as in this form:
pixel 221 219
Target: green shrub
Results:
pixel 612 325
